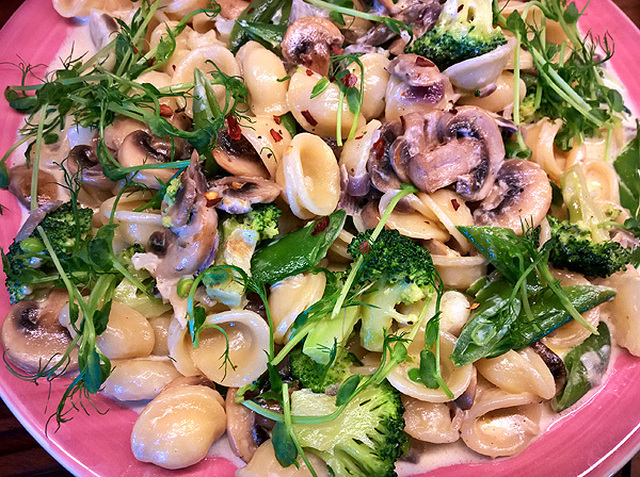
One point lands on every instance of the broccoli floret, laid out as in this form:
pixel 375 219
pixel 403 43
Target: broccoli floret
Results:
pixel 262 219
pixel 528 109
pixel 365 440
pixel 574 249
pixel 319 377
pixel 171 191
pixel 464 30
pixel 240 236
pixel 583 243
pixel 28 265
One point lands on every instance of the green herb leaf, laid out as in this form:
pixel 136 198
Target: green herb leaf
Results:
pixel 346 390
pixel 320 87
pixel 627 165
pixel 283 445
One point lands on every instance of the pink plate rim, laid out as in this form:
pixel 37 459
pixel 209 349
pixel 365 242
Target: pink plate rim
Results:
pixel 596 439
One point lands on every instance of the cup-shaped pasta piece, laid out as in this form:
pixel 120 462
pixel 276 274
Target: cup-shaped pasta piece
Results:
pixel 540 138
pixel 264 462
pixel 180 344
pixel 451 210
pixel 501 98
pixel 82 8
pixel 128 333
pixel 292 296
pixel 460 272
pixel 141 378
pixel 456 378
pixel 268 138
pixel 430 421
pixel 248 343
pixel 355 157
pixel 338 250
pixel 319 115
pixel 160 325
pixel 179 426
pixel 182 44
pixel 181 8
pixel 202 59
pixel 624 310
pixel 265 77
pixel 519 372
pixel 309 176
pixel 133 227
pixel 419 223
pixel 501 424
pixel 573 333
pixel 601 178
pixel 376 78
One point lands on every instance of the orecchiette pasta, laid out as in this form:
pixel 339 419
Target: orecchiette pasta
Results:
pixel 431 422
pixel 141 378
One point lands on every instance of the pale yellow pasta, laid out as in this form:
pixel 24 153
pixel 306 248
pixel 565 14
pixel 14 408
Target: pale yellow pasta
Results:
pixel 133 227
pixel 421 223
pixel 206 59
pixel 338 249
pixel 290 297
pixel 180 8
pixel 499 423
pixel 268 138
pixel 624 310
pixel 457 378
pixel 431 422
pixel 141 378
pixel 601 177
pixel 177 428
pixel 501 98
pixel 82 8
pixel 248 341
pixel 460 272
pixel 179 343
pixel 160 325
pixel 309 176
pixel 355 152
pixel 519 372
pixel 540 138
pixel 319 115
pixel 376 78
pixel 266 79
pixel 265 464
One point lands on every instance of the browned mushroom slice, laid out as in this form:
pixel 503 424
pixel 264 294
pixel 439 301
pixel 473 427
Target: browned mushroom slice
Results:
pixel 553 362
pixel 520 196
pixel 415 70
pixel 310 42
pixel 236 195
pixel 383 176
pixel 239 157
pixel 84 157
pixel 49 189
pixel 245 436
pixel 33 337
pixel 140 148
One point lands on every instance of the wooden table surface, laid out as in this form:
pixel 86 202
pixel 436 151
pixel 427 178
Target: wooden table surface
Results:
pixel 20 454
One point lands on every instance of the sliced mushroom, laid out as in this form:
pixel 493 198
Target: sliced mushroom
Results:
pixel 32 336
pixel 49 190
pixel 239 157
pixel 553 362
pixel 466 399
pixel 521 193
pixel 236 195
pixel 310 42
pixel 422 15
pixel 140 148
pixel 383 176
pixel 84 157
pixel 245 436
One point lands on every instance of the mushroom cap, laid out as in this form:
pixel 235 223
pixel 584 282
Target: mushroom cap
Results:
pixel 239 157
pixel 521 193
pixel 238 194
pixel 310 42
pixel 49 190
pixel 32 335
pixel 243 432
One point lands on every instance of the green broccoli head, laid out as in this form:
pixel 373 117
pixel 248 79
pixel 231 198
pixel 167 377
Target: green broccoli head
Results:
pixel 28 265
pixel 575 249
pixel 171 191
pixel 318 377
pixel 263 219
pixel 397 259
pixel 465 30
pixel 365 440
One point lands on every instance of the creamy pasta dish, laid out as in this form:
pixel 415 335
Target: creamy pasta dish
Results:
pixel 328 236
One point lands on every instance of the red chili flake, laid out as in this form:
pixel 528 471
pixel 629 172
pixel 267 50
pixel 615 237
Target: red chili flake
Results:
pixel 251 10
pixel 135 50
pixel 166 111
pixel 365 247
pixel 378 148
pixel 151 62
pixel 174 67
pixel 359 137
pixel 455 204
pixel 423 62
pixel 320 226
pixel 276 119
pixel 336 50
pixel 349 80
pixel 474 306
pixel 277 137
pixel 309 72
pixel 310 119
pixel 235 133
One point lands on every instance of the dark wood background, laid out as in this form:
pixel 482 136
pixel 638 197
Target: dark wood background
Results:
pixel 21 456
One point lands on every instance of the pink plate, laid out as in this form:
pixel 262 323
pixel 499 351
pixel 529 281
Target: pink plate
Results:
pixel 595 439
